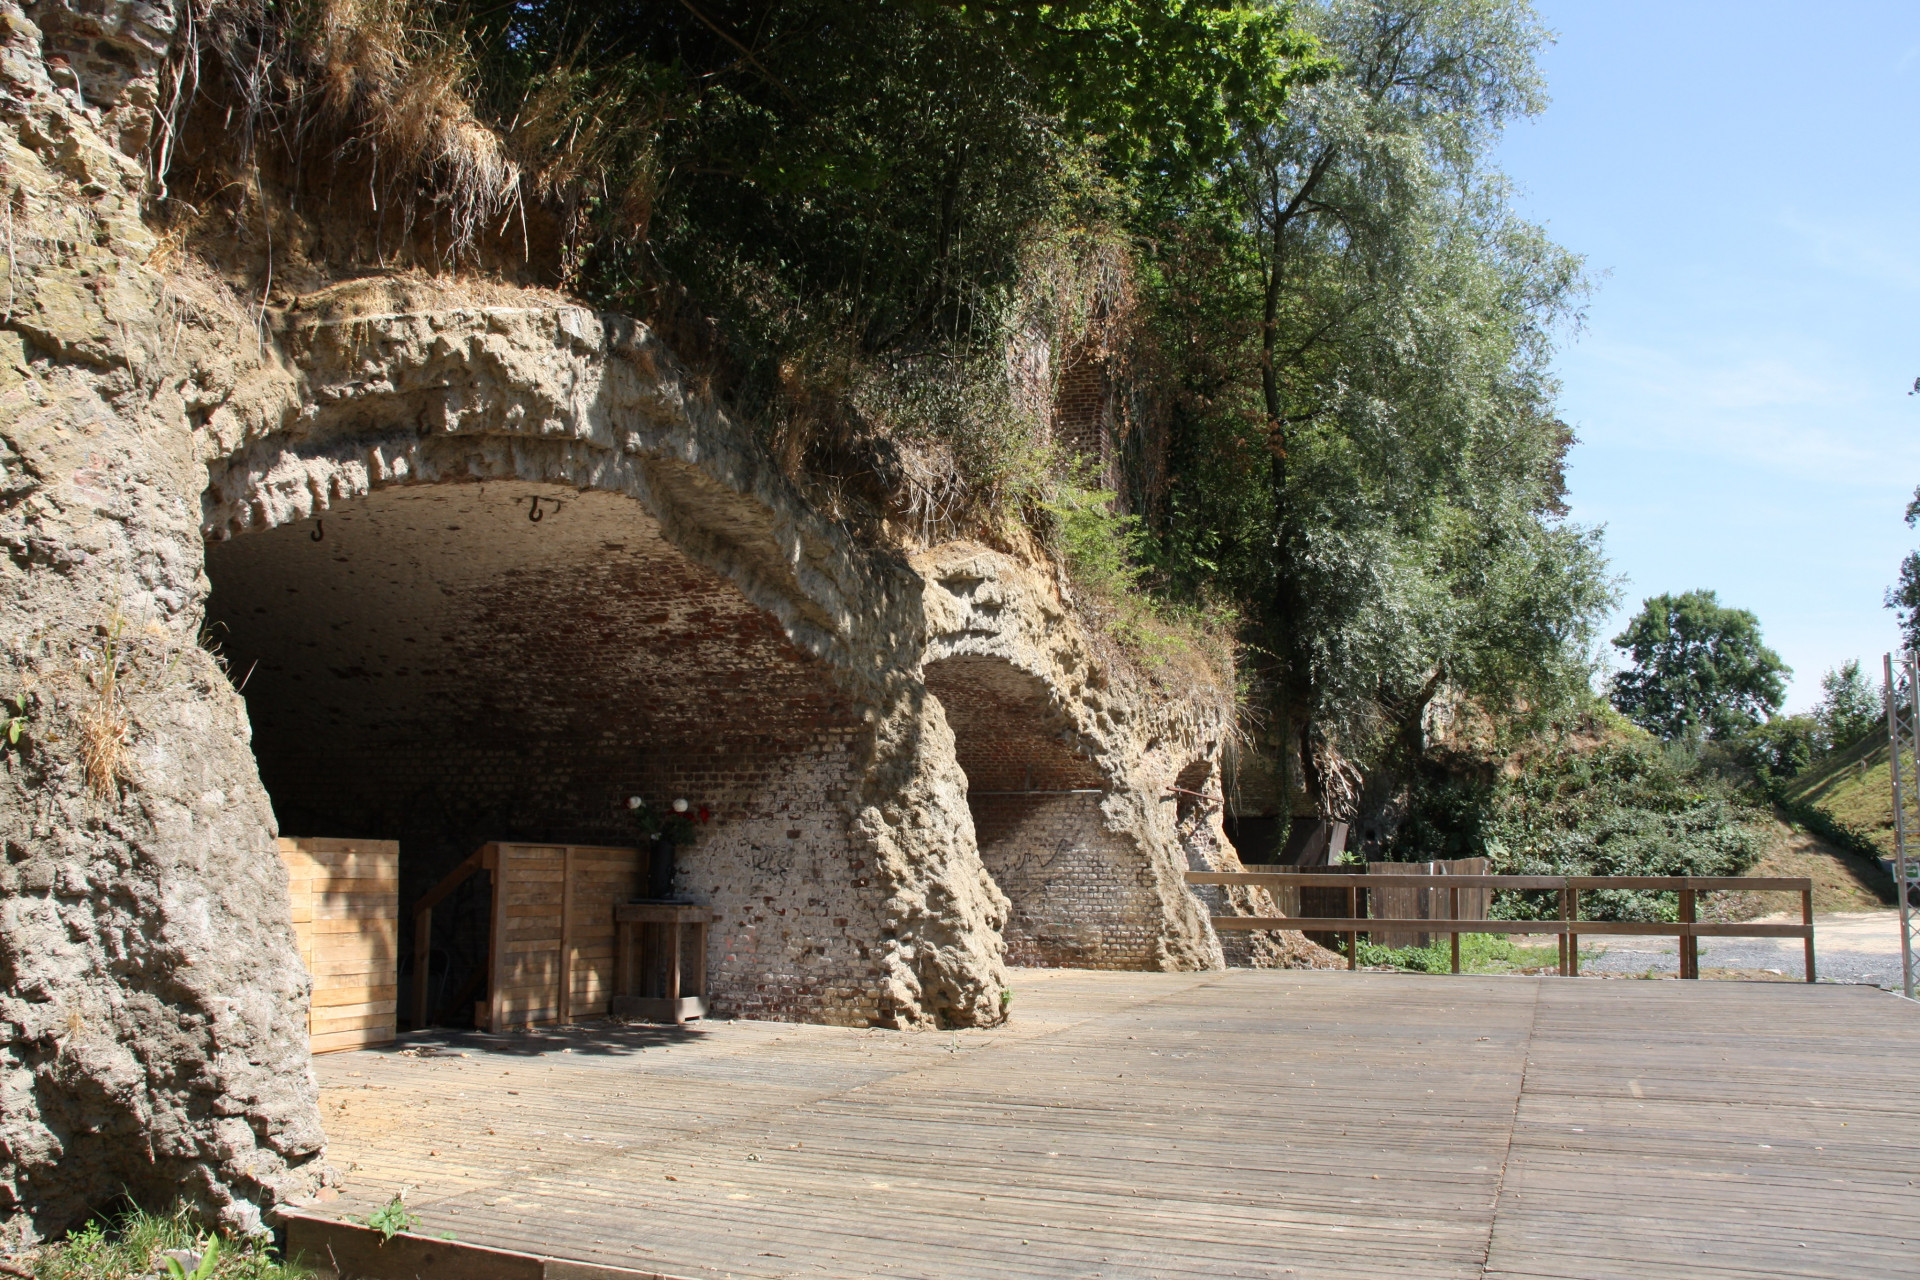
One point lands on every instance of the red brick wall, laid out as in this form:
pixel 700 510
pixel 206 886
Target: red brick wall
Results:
pixel 1080 418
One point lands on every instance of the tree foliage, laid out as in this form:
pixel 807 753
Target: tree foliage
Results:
pixel 1603 799
pixel 1365 448
pixel 1699 669
pixel 1279 223
pixel 1904 596
pixel 861 171
pixel 1850 707
pixel 1628 806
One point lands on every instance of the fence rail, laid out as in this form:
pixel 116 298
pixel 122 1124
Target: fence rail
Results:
pixel 1568 927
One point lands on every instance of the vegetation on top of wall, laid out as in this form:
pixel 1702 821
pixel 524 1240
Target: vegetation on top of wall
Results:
pixel 883 229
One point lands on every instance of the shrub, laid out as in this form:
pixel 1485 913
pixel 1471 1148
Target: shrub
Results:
pixel 1621 804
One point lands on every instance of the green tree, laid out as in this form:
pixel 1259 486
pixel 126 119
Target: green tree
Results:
pixel 847 211
pixel 1699 669
pixel 1783 746
pixel 1365 450
pixel 1850 707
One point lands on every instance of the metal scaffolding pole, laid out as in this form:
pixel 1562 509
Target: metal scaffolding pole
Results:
pixel 1903 758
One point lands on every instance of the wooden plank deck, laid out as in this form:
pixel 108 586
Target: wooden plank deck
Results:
pixel 1181 1125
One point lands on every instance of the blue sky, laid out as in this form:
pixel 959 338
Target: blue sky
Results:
pixel 1744 183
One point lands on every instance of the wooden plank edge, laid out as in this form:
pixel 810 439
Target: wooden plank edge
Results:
pixel 1408 882
pixel 1402 924
pixel 348 1251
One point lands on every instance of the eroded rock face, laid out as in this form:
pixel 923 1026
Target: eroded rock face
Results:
pixel 839 856
pixel 1075 778
pixel 152 1008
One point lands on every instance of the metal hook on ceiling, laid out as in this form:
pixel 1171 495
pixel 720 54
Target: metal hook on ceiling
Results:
pixel 534 513
pixel 319 530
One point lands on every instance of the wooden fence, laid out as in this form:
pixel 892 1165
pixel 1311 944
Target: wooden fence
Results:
pixel 1398 900
pixel 550 944
pixel 344 897
pixel 1568 926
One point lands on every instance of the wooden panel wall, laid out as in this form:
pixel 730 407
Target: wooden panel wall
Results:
pixel 345 897
pixel 1422 903
pixel 553 916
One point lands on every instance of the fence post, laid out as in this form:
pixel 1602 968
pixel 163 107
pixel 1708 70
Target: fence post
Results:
pixel 1453 913
pixel 1573 939
pixel 1689 945
pixel 1806 918
pixel 1565 910
pixel 1353 939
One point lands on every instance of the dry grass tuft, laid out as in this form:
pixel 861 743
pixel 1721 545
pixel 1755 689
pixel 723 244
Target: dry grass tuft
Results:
pixel 102 720
pixel 388 81
pixel 383 72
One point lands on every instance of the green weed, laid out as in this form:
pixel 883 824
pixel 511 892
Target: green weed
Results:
pixel 392 1218
pixel 1479 953
pixel 134 1243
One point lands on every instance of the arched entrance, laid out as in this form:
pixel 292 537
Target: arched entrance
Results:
pixel 453 663
pixel 1082 894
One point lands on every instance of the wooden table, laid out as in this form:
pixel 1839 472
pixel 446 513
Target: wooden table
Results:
pixel 671 919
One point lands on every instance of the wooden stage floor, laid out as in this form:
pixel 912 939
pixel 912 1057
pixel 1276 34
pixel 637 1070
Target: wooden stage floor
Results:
pixel 1181 1125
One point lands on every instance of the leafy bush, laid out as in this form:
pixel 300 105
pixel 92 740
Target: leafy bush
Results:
pixel 1782 747
pixel 1100 544
pixel 1624 807
pixel 1615 803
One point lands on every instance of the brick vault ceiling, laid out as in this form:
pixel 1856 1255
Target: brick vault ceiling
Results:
pixel 438 650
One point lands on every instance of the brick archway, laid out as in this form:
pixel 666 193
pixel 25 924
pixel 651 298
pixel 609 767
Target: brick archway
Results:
pixel 433 664
pixel 1081 891
pixel 740 649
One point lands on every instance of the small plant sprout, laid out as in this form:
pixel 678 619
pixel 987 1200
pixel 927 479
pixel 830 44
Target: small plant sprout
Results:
pixel 13 721
pixel 391 1219
pixel 208 1261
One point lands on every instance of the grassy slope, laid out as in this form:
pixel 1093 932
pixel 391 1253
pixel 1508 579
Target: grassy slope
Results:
pixel 1855 787
pixel 1842 881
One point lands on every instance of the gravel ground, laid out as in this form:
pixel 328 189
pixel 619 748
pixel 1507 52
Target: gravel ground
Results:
pixel 1856 948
